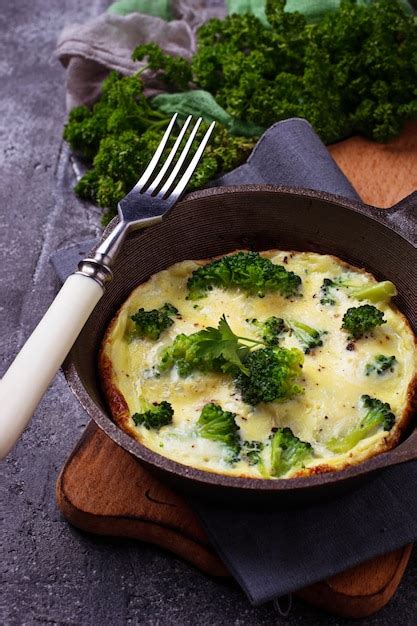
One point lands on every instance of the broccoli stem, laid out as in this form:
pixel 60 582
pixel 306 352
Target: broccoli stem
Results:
pixel 349 441
pixel 308 337
pixel 378 415
pixel 376 293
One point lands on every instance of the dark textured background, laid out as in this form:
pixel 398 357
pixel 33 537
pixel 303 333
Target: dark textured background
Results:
pixel 51 573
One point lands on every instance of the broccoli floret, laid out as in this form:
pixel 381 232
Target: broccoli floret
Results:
pixel 249 271
pixel 308 337
pixel 271 375
pixel 261 375
pixel 362 319
pixel 378 415
pixel 381 365
pixel 287 452
pixel 274 327
pixel 150 324
pixel 219 425
pixel 251 451
pixel 154 415
pixel 184 353
pixel 271 329
pixel 375 292
pixel 326 290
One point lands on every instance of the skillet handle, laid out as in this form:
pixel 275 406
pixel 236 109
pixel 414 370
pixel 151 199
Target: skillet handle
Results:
pixel 402 217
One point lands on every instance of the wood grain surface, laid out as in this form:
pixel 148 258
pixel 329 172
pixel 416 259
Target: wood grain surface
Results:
pixel 382 174
pixel 103 490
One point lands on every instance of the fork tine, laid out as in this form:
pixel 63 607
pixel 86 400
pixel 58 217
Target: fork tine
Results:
pixel 154 161
pixel 183 182
pixel 154 184
pixel 180 161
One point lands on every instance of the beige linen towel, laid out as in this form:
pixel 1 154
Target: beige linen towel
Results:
pixel 89 51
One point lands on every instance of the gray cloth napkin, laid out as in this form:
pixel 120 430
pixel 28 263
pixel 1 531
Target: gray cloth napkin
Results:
pixel 90 50
pixel 274 552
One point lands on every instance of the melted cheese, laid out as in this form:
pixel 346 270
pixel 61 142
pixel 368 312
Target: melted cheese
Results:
pixel 333 377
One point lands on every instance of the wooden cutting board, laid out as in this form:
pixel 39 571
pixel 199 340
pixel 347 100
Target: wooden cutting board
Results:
pixel 102 489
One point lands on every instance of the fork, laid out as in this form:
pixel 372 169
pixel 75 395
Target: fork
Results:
pixel 30 374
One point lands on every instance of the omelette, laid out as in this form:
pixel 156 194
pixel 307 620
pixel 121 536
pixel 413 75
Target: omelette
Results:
pixel 217 419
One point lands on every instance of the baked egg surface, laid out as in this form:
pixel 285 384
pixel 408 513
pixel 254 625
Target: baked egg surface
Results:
pixel 333 379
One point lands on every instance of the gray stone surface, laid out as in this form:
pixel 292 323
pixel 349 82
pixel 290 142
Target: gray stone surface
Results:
pixel 51 573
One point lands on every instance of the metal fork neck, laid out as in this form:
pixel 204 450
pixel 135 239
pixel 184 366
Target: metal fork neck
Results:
pixel 99 266
pixel 108 250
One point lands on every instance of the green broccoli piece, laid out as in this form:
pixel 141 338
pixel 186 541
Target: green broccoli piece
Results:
pixel 154 415
pixel 378 415
pixel 326 296
pixel 184 353
pixel 274 327
pixel 288 452
pixel 219 425
pixel 361 320
pixel 381 365
pixel 271 375
pixel 308 337
pixel 251 452
pixel 150 324
pixel 271 329
pixel 379 292
pixel 375 292
pixel 262 375
pixel 331 284
pixel 248 271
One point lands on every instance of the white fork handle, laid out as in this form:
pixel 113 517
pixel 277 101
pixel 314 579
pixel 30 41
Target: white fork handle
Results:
pixel 32 371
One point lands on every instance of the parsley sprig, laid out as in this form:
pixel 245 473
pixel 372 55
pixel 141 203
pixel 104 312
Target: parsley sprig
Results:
pixel 211 349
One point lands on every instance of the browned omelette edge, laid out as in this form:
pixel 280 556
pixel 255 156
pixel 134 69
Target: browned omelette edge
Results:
pixel 120 413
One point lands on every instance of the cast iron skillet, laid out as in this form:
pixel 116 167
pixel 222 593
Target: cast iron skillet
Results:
pixel 216 221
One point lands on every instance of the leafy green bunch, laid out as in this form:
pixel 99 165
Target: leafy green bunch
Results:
pixel 355 71
pixel 208 350
pixel 119 135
